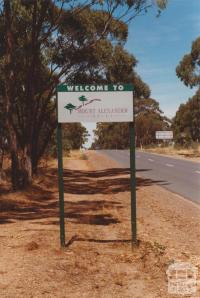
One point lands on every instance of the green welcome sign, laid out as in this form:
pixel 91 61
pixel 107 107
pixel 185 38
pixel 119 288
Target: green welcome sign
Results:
pixel 95 103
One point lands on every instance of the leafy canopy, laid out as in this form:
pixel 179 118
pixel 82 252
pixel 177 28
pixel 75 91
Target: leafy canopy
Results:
pixel 188 69
pixel 186 123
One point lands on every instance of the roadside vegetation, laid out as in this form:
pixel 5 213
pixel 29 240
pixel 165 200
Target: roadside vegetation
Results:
pixel 192 152
pixel 44 43
pixel 149 118
pixel 186 123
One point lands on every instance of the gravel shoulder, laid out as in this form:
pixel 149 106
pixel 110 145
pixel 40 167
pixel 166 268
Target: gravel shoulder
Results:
pixel 98 260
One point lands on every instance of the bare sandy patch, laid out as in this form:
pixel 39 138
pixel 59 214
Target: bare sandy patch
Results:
pixel 98 260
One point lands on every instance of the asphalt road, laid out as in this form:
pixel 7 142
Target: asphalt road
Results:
pixel 177 175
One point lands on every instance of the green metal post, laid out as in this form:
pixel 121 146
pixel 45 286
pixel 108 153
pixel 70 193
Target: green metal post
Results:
pixel 60 185
pixel 133 183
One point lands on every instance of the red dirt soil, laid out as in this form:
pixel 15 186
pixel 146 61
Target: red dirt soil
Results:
pixel 98 261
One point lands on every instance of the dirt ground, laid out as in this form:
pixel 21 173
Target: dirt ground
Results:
pixel 98 261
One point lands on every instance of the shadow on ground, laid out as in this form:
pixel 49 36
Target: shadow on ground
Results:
pixel 108 181
pixel 41 201
pixel 113 241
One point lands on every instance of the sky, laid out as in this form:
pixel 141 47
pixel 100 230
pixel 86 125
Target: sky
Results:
pixel 159 44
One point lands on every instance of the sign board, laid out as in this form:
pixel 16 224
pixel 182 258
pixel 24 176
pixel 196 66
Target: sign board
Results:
pixel 95 103
pixel 164 135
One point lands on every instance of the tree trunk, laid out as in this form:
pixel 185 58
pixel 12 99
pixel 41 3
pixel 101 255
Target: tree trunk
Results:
pixel 1 163
pixel 21 169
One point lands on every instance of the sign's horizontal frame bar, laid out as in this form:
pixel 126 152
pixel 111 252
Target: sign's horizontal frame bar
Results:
pixel 94 88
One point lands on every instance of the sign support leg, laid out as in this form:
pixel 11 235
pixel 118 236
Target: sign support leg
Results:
pixel 60 185
pixel 133 183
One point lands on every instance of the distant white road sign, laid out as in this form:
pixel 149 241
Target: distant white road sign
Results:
pixel 164 135
pixel 95 103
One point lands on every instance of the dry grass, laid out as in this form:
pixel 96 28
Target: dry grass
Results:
pixel 176 152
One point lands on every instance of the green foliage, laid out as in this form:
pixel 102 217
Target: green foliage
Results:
pixel 70 107
pixel 74 136
pixel 82 99
pixel 48 43
pixel 45 42
pixel 186 123
pixel 149 119
pixel 111 136
pixel 188 69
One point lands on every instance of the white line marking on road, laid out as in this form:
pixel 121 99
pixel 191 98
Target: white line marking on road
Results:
pixel 169 165
pixel 150 159
pixel 198 172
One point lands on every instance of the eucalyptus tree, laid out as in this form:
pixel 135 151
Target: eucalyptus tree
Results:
pixel 186 123
pixel 188 69
pixel 44 42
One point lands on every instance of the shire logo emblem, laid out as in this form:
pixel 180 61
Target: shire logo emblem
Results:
pixel 70 107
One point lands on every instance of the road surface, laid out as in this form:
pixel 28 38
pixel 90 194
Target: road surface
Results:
pixel 177 175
